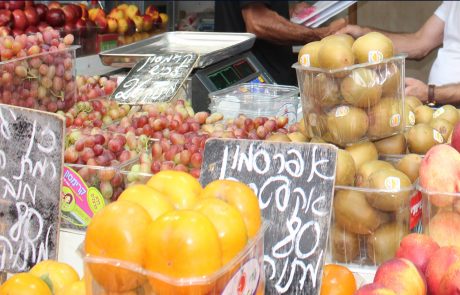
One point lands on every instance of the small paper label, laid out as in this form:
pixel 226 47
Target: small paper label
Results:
pixel 312 119
pixel 438 112
pixel 415 211
pixel 305 60
pixel 79 203
pixel 411 118
pixel 341 111
pixel 395 120
pixel 245 281
pixel 438 136
pixel 392 183
pixel 375 56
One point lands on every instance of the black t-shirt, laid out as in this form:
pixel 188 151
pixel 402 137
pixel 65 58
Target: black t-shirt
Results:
pixel 277 59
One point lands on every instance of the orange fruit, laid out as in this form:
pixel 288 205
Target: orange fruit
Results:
pixel 229 224
pixel 153 202
pixel 24 284
pixel 75 288
pixel 241 196
pixel 182 244
pixel 118 231
pixel 337 280
pixel 181 188
pixel 57 274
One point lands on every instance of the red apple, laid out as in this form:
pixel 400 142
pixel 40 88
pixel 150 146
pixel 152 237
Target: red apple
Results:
pixel 5 31
pixel 84 11
pixel 401 276
pixel 456 137
pixel 151 10
pixel 78 10
pixel 417 248
pixel 55 17
pixel 31 30
pixel 5 17
pixel 41 9
pixel 31 15
pixel 54 4
pixel 29 3
pixel 2 5
pixel 81 24
pixel 42 26
pixel 17 32
pixel 13 5
pixel 19 20
pixel 69 12
pixel 112 25
pixel 69 28
pixel 148 23
pixel 131 27
pixel 101 24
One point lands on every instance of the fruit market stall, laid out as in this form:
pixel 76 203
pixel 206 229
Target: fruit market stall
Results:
pixel 351 187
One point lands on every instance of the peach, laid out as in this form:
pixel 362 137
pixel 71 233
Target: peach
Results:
pixel 456 137
pixel 450 283
pixel 444 228
pixel 112 25
pixel 440 171
pixel 438 265
pixel 417 248
pixel 374 289
pixel 401 276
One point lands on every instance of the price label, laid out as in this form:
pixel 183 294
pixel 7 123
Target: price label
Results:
pixel 392 183
pixel 395 120
pixel 305 60
pixel 341 111
pixel 438 136
pixel 375 56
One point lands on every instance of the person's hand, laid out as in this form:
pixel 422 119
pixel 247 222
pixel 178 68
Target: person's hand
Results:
pixel 353 30
pixel 416 88
pixel 332 28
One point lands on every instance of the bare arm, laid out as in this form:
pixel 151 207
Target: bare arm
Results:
pixel 268 25
pixel 417 45
pixel 446 94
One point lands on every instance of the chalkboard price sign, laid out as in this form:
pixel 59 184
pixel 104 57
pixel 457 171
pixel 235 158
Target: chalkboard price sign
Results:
pixel 31 155
pixel 156 78
pixel 294 183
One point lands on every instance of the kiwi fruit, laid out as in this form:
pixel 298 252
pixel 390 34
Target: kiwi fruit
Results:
pixel 362 152
pixel 389 179
pixel 346 169
pixel 344 244
pixel 393 145
pixel 311 49
pixel 410 165
pixel 279 137
pixel 423 114
pixel 422 137
pixel 297 136
pixel 317 124
pixel 373 41
pixel 347 124
pixel 344 38
pixel 442 126
pixel 361 88
pixel 335 55
pixel 366 170
pixel 353 212
pixel 385 118
pixel 325 91
pixel 384 242
pixel 446 112
pixel 392 79
pixel 413 102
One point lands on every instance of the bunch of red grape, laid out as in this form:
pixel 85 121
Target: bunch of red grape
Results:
pixel 91 87
pixel 99 156
pixel 37 71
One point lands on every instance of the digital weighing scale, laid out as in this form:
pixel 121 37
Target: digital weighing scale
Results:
pixel 225 60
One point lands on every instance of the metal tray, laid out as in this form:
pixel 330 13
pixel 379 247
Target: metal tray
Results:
pixel 212 47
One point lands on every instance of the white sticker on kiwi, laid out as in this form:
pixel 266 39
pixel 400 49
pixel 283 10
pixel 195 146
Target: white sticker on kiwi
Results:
pixel 392 183
pixel 411 118
pixel 305 60
pixel 375 56
pixel 438 112
pixel 341 111
pixel 437 136
pixel 312 119
pixel 395 120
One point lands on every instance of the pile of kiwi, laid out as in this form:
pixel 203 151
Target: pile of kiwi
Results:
pixel 351 104
pixel 371 202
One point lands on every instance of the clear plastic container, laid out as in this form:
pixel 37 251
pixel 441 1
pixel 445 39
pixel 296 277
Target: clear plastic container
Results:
pixel 351 104
pixel 242 275
pixel 362 234
pixel 132 178
pixel 23 85
pixel 254 100
pixel 441 216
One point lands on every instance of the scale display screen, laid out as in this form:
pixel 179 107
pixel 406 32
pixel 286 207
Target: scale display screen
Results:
pixel 231 74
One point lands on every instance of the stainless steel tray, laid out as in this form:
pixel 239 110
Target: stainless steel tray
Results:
pixel 212 47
